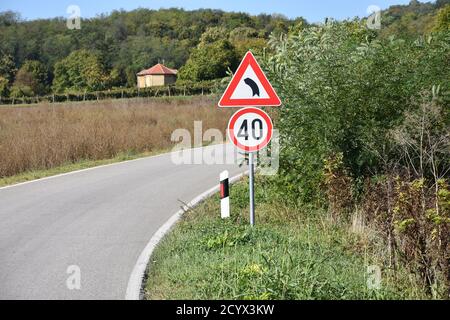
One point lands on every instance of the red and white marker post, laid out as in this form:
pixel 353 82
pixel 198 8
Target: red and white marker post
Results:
pixel 224 195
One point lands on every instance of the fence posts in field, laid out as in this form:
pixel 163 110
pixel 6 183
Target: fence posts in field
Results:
pixel 120 93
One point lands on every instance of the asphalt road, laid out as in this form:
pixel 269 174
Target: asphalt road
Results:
pixel 98 220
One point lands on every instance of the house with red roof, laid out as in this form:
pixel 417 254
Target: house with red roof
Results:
pixel 157 76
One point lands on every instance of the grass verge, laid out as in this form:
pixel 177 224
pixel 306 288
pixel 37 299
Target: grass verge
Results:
pixel 291 254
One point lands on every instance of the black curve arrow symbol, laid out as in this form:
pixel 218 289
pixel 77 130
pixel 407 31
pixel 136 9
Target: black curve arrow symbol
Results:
pixel 252 84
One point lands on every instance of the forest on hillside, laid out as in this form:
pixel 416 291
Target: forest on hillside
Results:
pixel 117 46
pixel 409 21
pixel 43 56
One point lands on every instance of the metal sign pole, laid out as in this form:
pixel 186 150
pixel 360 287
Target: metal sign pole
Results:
pixel 251 164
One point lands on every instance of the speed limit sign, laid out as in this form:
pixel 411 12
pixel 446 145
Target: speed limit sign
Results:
pixel 250 129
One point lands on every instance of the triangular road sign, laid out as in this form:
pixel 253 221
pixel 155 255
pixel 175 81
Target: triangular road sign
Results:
pixel 249 87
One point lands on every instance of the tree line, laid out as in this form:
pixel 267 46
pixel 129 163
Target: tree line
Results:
pixel 43 56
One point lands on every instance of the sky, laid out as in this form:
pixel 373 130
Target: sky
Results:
pixel 312 10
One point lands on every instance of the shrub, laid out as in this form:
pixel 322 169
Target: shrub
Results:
pixel 371 116
pixel 338 187
pixel 342 92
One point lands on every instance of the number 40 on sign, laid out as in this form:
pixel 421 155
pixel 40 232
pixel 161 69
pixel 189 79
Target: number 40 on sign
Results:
pixel 250 129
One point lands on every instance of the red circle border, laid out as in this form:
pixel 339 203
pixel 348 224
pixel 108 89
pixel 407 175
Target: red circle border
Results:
pixel 240 113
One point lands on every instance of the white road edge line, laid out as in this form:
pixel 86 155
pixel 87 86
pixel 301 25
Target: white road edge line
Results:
pixel 137 275
pixel 97 167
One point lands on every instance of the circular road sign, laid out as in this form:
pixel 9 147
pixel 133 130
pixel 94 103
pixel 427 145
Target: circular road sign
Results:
pixel 250 129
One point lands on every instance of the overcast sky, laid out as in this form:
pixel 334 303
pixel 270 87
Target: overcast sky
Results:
pixel 312 10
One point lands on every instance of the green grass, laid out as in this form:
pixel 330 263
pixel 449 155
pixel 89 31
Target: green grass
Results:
pixel 69 167
pixel 290 254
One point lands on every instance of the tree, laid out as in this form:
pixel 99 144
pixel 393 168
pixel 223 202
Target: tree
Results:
pixel 213 34
pixel 81 70
pixel 7 72
pixel 244 39
pixel 408 21
pixel 8 18
pixel 443 19
pixel 210 61
pixel 21 91
pixel 7 68
pixel 131 41
pixel 441 3
pixel 256 45
pixel 33 75
pixel 4 86
pixel 342 93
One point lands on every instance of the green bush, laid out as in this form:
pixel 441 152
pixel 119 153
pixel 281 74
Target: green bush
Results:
pixel 342 91
pixel 210 61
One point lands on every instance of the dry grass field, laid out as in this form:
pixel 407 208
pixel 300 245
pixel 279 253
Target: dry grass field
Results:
pixel 49 135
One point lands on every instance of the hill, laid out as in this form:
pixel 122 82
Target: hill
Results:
pixel 407 21
pixel 42 56
pixel 128 41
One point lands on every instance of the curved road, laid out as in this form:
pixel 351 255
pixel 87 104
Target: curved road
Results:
pixel 99 219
